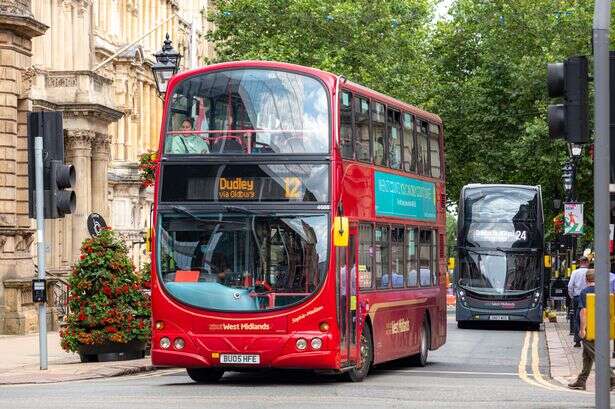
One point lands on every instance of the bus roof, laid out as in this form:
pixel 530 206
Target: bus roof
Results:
pixel 327 77
pixel 489 185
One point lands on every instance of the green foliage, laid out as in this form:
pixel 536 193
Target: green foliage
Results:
pixel 451 233
pixel 490 60
pixel 381 44
pixel 106 300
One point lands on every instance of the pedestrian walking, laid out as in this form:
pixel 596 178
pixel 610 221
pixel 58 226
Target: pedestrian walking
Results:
pixel 576 284
pixel 588 346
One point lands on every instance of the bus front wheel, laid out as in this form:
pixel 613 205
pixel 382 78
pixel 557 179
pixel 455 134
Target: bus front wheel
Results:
pixel 420 359
pixel 204 375
pixel 358 373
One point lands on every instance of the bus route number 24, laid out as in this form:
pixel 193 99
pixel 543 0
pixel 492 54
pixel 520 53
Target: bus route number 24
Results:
pixel 521 235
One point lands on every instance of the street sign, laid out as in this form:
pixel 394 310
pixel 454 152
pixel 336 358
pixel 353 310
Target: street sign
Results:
pixel 95 224
pixel 573 218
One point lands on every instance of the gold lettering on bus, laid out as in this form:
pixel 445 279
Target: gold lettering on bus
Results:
pixel 237 188
pixel 397 327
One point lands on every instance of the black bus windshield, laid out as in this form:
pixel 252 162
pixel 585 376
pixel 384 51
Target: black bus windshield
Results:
pixel 500 239
pixel 248 112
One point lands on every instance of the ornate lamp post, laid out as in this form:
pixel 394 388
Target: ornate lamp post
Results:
pixel 568 178
pixel 167 65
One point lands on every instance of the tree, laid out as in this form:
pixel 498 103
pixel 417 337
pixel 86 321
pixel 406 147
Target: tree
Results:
pixel 490 62
pixel 380 44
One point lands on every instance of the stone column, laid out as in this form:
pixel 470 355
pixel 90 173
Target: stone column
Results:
pixel 100 164
pixel 78 146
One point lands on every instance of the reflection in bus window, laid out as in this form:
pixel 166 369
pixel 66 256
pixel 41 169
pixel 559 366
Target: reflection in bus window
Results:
pixel 251 111
pixel 366 256
pixel 409 148
pixel 394 138
pixel 425 254
pixel 346 124
pixel 434 150
pixel 361 122
pixel 241 262
pixel 423 148
pixel 397 257
pixel 381 256
pixel 411 259
pixel 378 132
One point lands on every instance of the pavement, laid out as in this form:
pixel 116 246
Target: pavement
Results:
pixel 20 362
pixel 566 360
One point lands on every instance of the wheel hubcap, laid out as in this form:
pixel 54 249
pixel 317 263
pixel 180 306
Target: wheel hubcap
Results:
pixel 364 351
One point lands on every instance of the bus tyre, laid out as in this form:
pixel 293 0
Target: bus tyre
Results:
pixel 358 373
pixel 204 375
pixel 420 359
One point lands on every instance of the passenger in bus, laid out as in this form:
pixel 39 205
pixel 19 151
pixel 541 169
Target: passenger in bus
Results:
pixel 187 143
pixel 378 152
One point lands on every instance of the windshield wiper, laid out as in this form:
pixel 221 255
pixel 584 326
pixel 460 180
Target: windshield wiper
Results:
pixel 183 210
pixel 238 209
pixel 180 209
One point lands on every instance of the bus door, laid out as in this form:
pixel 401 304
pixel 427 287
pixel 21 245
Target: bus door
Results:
pixel 347 297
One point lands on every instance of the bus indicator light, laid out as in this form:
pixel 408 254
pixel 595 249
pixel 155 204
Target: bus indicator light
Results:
pixel 215 355
pixel 324 326
pixel 159 325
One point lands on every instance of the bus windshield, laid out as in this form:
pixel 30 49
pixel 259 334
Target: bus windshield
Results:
pixel 499 271
pixel 242 262
pixel 248 111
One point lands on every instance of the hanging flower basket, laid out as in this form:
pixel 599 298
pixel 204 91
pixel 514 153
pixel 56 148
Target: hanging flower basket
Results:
pixel 147 168
pixel 109 313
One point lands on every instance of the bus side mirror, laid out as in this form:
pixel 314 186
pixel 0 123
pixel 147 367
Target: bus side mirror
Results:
pixel 340 231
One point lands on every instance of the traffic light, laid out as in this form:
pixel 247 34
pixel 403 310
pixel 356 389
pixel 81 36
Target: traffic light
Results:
pixel 61 201
pixel 56 175
pixel 569 80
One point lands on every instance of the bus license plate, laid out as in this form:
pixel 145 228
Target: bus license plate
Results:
pixel 240 359
pixel 498 317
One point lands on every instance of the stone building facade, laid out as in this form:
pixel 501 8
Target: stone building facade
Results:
pixel 91 60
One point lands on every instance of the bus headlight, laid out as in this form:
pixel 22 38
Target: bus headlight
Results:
pixel 301 344
pixel 316 343
pixel 165 343
pixel 179 343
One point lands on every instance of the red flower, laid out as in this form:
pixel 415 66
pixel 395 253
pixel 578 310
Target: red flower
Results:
pixel 81 316
pixel 111 330
pixel 82 257
pixel 107 290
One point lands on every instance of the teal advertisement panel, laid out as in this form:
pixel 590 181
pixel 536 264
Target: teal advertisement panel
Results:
pixel 401 196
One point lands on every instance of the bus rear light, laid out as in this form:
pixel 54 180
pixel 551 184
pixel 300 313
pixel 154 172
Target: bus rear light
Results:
pixel 324 326
pixel 316 343
pixel 159 325
pixel 301 344
pixel 165 343
pixel 179 343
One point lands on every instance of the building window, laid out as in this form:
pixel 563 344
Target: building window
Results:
pixel 412 279
pixel 361 123
pixel 394 138
pixel 397 257
pixel 409 148
pixel 346 124
pixel 378 132
pixel 381 256
pixel 425 262
pixel 423 149
pixel 366 256
pixel 434 149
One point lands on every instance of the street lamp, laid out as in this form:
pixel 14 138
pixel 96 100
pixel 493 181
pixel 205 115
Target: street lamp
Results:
pixel 167 65
pixel 575 150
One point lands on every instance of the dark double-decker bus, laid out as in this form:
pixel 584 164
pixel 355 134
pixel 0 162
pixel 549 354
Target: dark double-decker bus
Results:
pixel 500 253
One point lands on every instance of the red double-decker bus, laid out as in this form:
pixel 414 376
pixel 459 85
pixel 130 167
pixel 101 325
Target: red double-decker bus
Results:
pixel 299 223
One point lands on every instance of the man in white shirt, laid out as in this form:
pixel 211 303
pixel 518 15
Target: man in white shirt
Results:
pixel 576 284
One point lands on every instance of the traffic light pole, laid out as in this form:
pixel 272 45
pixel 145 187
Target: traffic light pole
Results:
pixel 602 20
pixel 40 246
